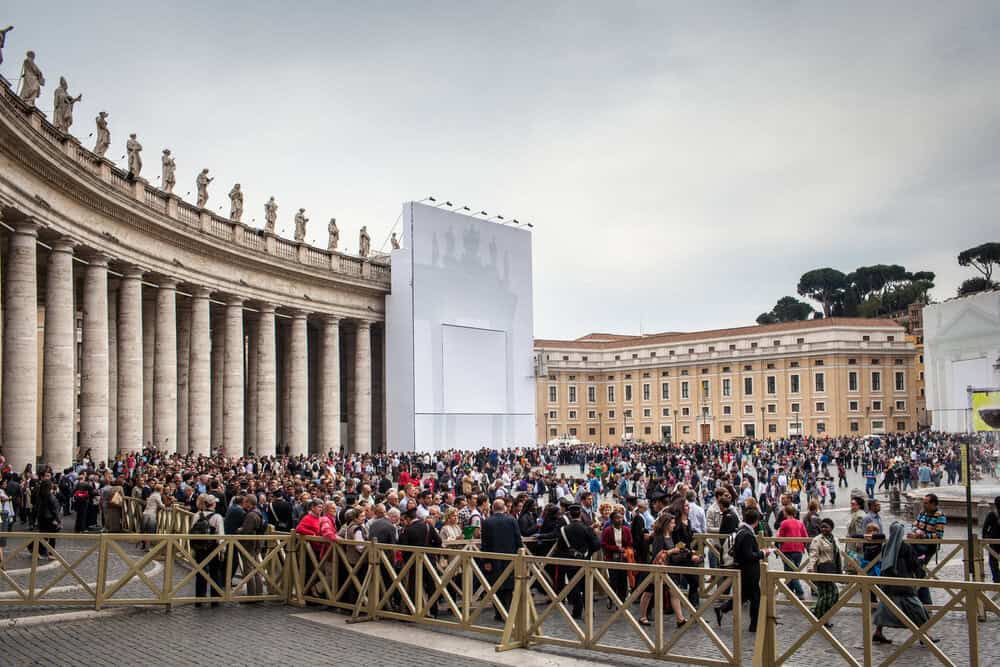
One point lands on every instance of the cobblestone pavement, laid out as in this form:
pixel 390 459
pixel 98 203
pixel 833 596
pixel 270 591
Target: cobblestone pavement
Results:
pixel 258 634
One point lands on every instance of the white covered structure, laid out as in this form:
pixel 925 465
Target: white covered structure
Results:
pixel 459 334
pixel 961 349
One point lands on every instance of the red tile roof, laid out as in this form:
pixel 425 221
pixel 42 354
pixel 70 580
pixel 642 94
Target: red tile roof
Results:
pixel 600 341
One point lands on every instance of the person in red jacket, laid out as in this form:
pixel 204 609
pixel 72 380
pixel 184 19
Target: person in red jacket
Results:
pixel 615 539
pixel 309 525
pixel 793 551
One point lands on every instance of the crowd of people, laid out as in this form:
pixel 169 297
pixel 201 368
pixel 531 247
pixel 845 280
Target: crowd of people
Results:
pixel 631 503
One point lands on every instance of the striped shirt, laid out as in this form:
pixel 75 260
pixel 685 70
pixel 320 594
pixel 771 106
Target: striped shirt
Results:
pixel 931 524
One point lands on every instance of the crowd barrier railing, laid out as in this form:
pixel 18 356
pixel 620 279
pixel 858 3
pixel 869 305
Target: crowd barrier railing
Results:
pixel 866 594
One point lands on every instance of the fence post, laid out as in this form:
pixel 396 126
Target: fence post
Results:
pixel 972 622
pixel 763 652
pixel 168 573
pixel 102 571
pixel 374 577
pixel 866 621
pixel 523 596
pixel 293 583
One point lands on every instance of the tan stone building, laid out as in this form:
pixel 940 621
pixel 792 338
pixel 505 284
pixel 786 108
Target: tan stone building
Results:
pixel 840 376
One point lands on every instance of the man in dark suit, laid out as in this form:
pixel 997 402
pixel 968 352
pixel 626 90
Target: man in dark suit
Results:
pixel 500 535
pixel 576 541
pixel 747 557
pixel 417 533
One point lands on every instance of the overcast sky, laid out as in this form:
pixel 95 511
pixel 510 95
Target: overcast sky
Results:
pixel 683 164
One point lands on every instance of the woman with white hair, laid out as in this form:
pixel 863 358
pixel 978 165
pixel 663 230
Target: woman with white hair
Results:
pixel 207 522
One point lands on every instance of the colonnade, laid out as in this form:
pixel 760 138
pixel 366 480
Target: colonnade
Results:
pixel 166 363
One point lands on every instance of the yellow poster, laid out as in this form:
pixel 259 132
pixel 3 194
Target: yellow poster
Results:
pixel 986 410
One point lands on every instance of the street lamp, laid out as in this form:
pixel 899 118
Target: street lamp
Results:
pixel 762 428
pixel 600 428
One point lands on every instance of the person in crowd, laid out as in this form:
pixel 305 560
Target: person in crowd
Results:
pixel 575 541
pixel 666 552
pixel 450 530
pixel 991 531
pixel 792 550
pixel 616 541
pixel 154 503
pixel 747 557
pixel 824 558
pixel 208 522
pixel 418 533
pixel 501 535
pixel 683 536
pixel 253 524
pixel 899 560
pixel 49 517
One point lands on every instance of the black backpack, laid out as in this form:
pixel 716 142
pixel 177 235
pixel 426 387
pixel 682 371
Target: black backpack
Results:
pixel 201 527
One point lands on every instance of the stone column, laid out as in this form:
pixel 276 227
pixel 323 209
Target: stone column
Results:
pixel 362 389
pixel 94 361
pixel 20 347
pixel 59 373
pixel 130 362
pixel 267 382
pixel 329 385
pixel 148 354
pixel 218 340
pixel 199 376
pixel 183 368
pixel 113 285
pixel 232 383
pixel 165 368
pixel 250 414
pixel 298 387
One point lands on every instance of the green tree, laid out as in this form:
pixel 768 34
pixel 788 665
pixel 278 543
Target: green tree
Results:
pixel 982 258
pixel 787 309
pixel 826 285
pixel 977 284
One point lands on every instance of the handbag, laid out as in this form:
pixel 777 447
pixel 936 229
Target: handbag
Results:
pixel 116 499
pixel 628 555
pixel 827 568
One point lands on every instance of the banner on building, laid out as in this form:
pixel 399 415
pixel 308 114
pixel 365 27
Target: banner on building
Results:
pixel 986 410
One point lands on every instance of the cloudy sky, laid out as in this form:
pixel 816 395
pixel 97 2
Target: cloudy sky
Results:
pixel 683 163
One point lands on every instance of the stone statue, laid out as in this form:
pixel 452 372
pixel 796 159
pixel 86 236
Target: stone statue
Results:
pixel 300 225
pixel 133 147
pixel 270 215
pixel 62 113
pixel 235 203
pixel 394 241
pixel 364 242
pixel 169 167
pixel 334 233
pixel 103 134
pixel 31 80
pixel 3 40
pixel 202 183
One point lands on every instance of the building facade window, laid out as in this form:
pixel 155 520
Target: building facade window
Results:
pixel 684 391
pixel 727 409
pixel 645 391
pixel 876 381
pixel 628 393
pixel 727 387
pixel 611 393
pixel 772 385
pixel 572 393
pixel 793 384
pixel 705 390
pixel 820 406
pixel 900 406
pixel 572 414
pixel 665 391
pixel 820 383
pixel 900 381
pixel 852 406
pixel 852 381
pixel 748 386
pixel 553 393
pixel 685 412
pixel 748 409
pixel 591 394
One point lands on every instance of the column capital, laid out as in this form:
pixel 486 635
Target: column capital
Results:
pixel 132 272
pixel 200 292
pixel 233 300
pixel 298 314
pixel 363 323
pixel 26 226
pixel 167 283
pixel 63 244
pixel 264 307
pixel 97 259
pixel 330 318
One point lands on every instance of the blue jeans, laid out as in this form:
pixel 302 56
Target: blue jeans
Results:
pixel 794 584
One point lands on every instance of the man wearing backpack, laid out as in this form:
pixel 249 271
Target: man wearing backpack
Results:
pixel 740 551
pixel 207 523
pixel 576 541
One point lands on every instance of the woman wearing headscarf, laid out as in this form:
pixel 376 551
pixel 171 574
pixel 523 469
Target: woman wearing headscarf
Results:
pixel 898 560
pixel 824 558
